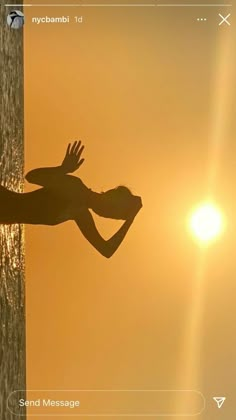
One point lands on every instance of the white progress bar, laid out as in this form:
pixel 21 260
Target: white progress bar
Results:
pixel 120 5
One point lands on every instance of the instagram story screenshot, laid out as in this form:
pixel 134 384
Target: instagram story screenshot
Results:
pixel 118 209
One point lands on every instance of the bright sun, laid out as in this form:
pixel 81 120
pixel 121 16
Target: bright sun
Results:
pixel 206 223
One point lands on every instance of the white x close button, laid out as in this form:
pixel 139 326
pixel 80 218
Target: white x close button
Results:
pixel 224 19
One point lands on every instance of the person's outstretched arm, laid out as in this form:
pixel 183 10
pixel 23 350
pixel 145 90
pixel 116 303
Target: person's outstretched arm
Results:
pixel 107 248
pixel 48 177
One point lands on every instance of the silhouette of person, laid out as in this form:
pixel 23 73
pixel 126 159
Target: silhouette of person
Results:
pixel 65 197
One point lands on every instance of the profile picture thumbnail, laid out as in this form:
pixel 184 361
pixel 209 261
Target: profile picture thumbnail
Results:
pixel 15 19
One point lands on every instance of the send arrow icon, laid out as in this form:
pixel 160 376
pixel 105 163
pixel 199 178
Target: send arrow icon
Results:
pixel 219 401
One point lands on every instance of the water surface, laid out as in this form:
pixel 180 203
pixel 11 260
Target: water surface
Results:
pixel 12 285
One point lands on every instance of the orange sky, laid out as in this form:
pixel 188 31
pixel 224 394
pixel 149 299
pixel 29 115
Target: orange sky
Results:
pixel 138 87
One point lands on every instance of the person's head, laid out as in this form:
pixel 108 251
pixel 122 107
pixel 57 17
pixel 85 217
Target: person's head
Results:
pixel 118 203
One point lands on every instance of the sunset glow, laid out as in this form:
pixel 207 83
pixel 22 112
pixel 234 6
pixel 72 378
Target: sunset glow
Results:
pixel 206 223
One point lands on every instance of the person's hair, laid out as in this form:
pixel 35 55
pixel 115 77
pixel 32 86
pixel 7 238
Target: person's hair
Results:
pixel 121 190
pixel 117 203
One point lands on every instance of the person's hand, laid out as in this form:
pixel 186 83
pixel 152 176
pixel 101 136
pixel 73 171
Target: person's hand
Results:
pixel 72 160
pixel 136 207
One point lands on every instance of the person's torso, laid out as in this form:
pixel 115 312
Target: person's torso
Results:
pixel 47 206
